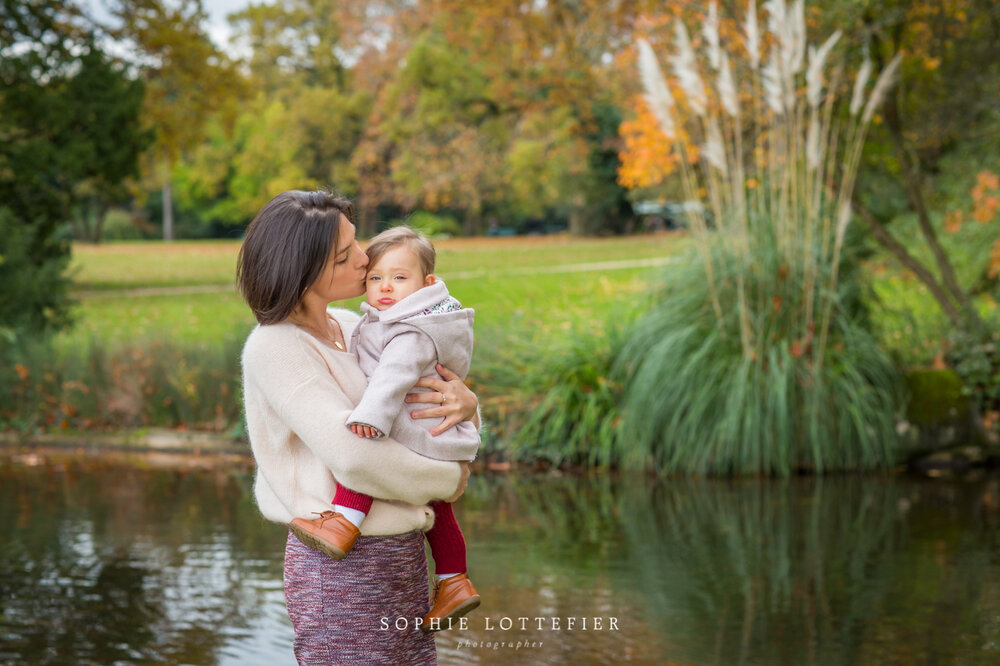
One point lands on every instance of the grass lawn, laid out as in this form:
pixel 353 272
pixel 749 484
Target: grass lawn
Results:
pixel 151 264
pixel 159 326
pixel 529 293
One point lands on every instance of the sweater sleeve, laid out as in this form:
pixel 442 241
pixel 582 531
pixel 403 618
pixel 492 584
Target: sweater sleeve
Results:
pixel 397 371
pixel 308 399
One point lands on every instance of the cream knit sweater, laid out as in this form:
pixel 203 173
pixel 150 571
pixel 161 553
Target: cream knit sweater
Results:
pixel 298 393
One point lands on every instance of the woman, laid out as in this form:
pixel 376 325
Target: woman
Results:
pixel 299 386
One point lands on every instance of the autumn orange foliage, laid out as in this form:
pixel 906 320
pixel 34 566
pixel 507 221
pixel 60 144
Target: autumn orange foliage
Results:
pixel 985 206
pixel 647 158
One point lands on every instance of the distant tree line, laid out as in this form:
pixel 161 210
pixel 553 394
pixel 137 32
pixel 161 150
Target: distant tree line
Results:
pixel 493 114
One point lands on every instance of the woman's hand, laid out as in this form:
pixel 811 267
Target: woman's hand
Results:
pixel 451 399
pixel 463 483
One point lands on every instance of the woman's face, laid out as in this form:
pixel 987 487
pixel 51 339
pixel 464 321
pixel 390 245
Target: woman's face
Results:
pixel 343 276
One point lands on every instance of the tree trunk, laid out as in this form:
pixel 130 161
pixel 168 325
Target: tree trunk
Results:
pixel 365 214
pixel 78 222
pixel 102 214
pixel 168 212
pixel 912 177
pixel 577 221
pixel 470 223
pixel 898 250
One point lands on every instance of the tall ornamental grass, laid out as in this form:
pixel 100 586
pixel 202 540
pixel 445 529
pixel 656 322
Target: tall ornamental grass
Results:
pixel 752 362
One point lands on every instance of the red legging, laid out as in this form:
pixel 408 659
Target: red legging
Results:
pixel 445 538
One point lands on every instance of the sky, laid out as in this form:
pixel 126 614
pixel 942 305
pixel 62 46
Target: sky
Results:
pixel 217 10
pixel 218 27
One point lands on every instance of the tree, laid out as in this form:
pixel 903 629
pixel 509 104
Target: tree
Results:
pixel 484 91
pixel 35 141
pixel 299 131
pixel 103 105
pixel 949 92
pixel 436 141
pixel 297 39
pixel 188 80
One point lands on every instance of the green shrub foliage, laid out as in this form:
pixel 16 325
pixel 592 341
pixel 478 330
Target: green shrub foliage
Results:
pixel 696 402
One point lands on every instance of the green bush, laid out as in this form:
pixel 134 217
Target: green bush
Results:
pixel 34 287
pixel 935 397
pixel 104 385
pixel 974 353
pixel 573 415
pixel 431 225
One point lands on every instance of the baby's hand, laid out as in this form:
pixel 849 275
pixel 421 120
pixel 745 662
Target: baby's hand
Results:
pixel 366 432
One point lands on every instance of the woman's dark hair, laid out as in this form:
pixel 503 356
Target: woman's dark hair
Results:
pixel 285 249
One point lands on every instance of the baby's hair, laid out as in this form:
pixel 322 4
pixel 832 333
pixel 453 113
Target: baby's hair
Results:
pixel 403 235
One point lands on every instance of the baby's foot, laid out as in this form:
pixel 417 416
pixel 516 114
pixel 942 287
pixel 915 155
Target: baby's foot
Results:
pixel 453 597
pixel 331 533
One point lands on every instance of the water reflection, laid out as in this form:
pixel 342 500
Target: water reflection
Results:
pixel 103 562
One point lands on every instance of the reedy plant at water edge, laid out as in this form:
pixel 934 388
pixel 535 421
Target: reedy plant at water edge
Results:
pixel 695 403
pixel 760 349
pixel 572 416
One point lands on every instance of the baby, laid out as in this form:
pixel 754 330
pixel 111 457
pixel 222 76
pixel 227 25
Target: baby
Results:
pixel 411 323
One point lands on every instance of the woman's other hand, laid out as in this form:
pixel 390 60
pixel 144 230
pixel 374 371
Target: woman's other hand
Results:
pixel 463 483
pixel 452 400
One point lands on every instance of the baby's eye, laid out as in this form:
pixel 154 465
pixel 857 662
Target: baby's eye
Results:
pixel 373 278
pixel 400 277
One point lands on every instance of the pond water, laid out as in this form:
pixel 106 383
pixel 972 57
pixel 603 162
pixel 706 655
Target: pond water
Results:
pixel 105 561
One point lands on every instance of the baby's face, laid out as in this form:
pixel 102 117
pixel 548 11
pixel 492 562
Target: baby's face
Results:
pixel 396 275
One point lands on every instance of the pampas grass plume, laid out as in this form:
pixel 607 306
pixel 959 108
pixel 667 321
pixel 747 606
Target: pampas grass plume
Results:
pixel 752 30
pixel 771 80
pixel 685 66
pixel 858 96
pixel 714 151
pixel 661 102
pixel 814 73
pixel 710 30
pixel 727 88
pixel 882 85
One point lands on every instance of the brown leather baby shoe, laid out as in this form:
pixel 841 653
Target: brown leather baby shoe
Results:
pixel 453 598
pixel 331 533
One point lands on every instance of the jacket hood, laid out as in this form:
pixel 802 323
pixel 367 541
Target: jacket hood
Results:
pixel 420 300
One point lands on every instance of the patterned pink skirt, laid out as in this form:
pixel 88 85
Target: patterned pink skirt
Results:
pixel 362 609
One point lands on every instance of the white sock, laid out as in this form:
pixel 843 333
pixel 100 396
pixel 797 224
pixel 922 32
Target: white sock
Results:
pixel 443 576
pixel 352 515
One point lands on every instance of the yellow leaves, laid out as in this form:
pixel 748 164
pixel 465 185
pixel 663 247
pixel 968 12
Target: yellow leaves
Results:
pixel 931 64
pixel 22 371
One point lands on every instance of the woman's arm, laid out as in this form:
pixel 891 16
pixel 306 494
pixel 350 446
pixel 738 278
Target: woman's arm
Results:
pixel 294 380
pixel 453 400
pixel 381 468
